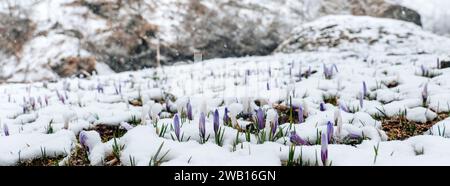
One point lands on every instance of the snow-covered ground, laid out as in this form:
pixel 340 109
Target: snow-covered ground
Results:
pixel 69 106
pixel 321 104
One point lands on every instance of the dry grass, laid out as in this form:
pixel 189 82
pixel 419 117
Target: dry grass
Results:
pixel 399 128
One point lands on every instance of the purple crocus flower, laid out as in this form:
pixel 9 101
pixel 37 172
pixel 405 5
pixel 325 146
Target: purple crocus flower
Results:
pixel 354 136
pixel 33 103
pixel 330 131
pixel 226 118
pixel 297 140
pixel 6 129
pixel 335 67
pixel 423 70
pixel 270 72
pixel 189 110
pixel 24 108
pixel 247 74
pixel 39 100
pixel 46 100
pixel 82 137
pixel 100 88
pixel 216 121
pixel 260 118
pixel 364 89
pixel 201 125
pixel 322 107
pixel 425 93
pixel 176 126
pixel 116 89
pixel 324 148
pixel 275 124
pixel 328 72
pixel 361 100
pixel 301 117
pixel 126 126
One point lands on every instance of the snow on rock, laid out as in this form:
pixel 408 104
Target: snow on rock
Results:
pixel 362 34
pixel 434 14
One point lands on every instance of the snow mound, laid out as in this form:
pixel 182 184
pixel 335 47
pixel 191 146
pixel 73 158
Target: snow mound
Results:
pixel 363 34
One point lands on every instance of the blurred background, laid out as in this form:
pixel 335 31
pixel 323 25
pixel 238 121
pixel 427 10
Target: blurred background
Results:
pixel 43 40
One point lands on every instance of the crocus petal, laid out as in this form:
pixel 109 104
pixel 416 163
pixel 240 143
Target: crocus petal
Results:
pixel 176 125
pixel 361 100
pixel 189 110
pixel 225 115
pixel 275 124
pixel 260 117
pixel 364 89
pixel 330 131
pixel 216 121
pixel 82 137
pixel 301 117
pixel 126 126
pixel 297 140
pixel 6 129
pixel 324 148
pixel 322 107
pixel 201 125
pixel 425 92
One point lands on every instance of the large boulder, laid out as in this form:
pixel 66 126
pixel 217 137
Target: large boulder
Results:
pixel 15 31
pixel 374 8
pixel 363 34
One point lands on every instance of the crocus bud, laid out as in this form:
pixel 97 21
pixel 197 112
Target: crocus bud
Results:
pixel 301 117
pixel 6 129
pixel 216 121
pixel 324 148
pixel 338 121
pixel 260 118
pixel 189 110
pixel 297 140
pixel 176 126
pixel 202 125
pixel 330 131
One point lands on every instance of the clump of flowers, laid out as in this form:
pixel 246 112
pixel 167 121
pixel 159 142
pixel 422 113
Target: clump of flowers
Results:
pixel 328 72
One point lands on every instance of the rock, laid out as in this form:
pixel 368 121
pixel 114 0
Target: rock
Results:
pixel 130 46
pixel 363 34
pixel 374 8
pixel 70 66
pixel 14 33
pixel 402 13
pixel 444 62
